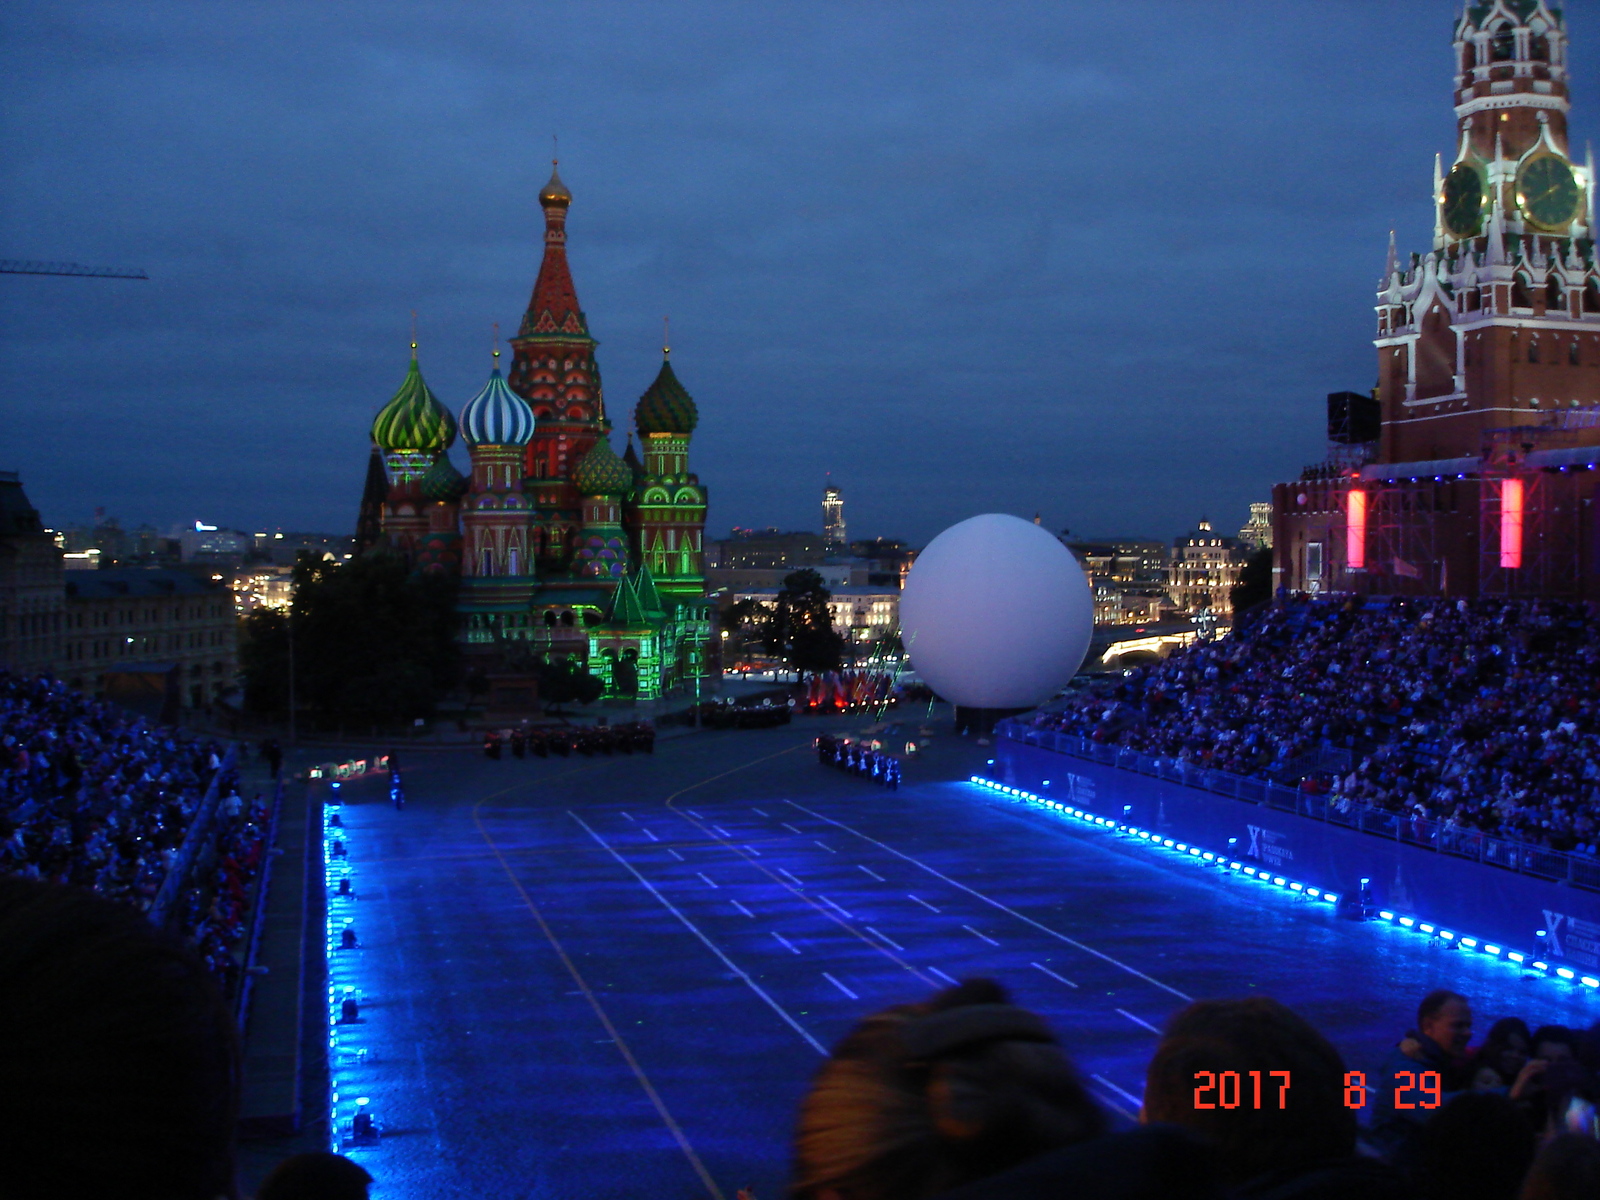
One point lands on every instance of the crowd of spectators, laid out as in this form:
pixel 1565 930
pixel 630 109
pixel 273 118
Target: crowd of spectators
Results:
pixel 1482 714
pixel 216 909
pixel 90 794
pixel 94 797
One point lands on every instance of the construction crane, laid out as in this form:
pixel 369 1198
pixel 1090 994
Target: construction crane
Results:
pixel 13 266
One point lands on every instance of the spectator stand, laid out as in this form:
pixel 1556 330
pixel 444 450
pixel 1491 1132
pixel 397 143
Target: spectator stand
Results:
pixel 1576 870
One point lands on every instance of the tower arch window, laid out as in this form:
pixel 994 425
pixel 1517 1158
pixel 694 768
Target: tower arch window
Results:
pixel 1539 48
pixel 1554 297
pixel 1591 297
pixel 1573 357
pixel 1469 57
pixel 1521 292
pixel 1533 351
pixel 1502 44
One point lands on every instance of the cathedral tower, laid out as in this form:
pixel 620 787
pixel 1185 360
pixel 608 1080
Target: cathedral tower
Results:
pixel 497 425
pixel 411 432
pixel 669 508
pixel 553 368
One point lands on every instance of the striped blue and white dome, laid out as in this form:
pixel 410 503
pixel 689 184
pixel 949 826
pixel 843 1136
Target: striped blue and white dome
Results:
pixel 497 416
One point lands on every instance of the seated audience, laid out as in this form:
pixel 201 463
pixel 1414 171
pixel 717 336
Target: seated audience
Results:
pixel 1480 715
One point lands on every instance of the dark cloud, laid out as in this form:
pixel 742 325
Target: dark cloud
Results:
pixel 1096 260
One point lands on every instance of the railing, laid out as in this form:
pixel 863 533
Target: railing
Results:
pixel 1424 832
pixel 164 907
pixel 258 908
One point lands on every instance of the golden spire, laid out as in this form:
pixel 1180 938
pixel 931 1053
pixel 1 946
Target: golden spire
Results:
pixel 497 344
pixel 555 192
pixel 666 337
pixel 413 333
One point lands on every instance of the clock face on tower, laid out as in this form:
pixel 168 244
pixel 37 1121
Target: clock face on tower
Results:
pixel 1461 201
pixel 1547 192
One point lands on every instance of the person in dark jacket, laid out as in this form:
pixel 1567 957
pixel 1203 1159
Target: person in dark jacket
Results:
pixel 921 1099
pixel 1257 1082
pixel 1407 1092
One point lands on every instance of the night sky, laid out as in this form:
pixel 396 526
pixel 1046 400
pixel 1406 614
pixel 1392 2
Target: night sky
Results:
pixel 1100 261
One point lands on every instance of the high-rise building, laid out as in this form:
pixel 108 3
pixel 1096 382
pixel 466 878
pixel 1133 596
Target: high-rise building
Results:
pixel 1480 476
pixel 1257 531
pixel 564 549
pixel 833 530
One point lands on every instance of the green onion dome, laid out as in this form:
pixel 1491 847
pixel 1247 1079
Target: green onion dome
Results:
pixel 602 473
pixel 443 481
pixel 414 420
pixel 666 406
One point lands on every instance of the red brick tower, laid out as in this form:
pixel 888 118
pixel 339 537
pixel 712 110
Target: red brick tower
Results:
pixel 1480 478
pixel 553 368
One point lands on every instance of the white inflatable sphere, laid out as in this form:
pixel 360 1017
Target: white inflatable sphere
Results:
pixel 996 613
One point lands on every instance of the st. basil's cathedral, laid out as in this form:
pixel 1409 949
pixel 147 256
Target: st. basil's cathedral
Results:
pixel 564 549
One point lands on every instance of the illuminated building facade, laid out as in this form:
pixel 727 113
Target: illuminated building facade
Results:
pixel 833 528
pixel 1204 567
pixel 563 548
pixel 1479 477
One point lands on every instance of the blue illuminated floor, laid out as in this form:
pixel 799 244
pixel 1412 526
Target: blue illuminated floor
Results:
pixel 570 989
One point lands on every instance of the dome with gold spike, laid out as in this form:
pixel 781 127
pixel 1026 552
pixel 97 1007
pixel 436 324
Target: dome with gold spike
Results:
pixel 666 406
pixel 414 421
pixel 555 192
pixel 497 416
pixel 602 473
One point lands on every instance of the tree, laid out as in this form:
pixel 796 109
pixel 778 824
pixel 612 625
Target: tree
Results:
pixel 1255 582
pixel 800 629
pixel 564 681
pixel 747 623
pixel 264 663
pixel 374 643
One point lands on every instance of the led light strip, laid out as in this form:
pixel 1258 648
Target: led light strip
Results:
pixel 342 1052
pixel 1236 869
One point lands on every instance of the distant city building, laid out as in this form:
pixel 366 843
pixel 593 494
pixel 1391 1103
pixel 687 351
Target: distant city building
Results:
pixel 32 601
pixel 1128 576
pixel 887 560
pixel 284 549
pixel 1203 570
pixel 262 586
pixel 207 543
pixel 769 548
pixel 128 620
pixel 1257 532
pixel 833 530
pixel 861 615
pixel 94 628
pixel 724 580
